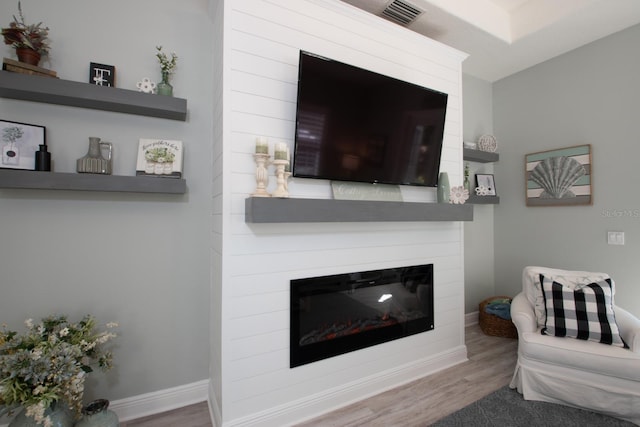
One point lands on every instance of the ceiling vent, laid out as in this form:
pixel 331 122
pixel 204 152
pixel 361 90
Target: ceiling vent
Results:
pixel 401 12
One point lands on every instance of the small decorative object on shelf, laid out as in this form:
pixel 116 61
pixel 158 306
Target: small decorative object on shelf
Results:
pixel 443 188
pixel 102 75
pixel 43 159
pixel 24 68
pixel 481 190
pixel 470 145
pixel 280 160
pixel 167 68
pixel 261 157
pixel 31 41
pixel 97 414
pixel 466 184
pixel 488 143
pixel 146 86
pixel 159 158
pixel 487 183
pixel 458 195
pixel 44 370
pixel 93 161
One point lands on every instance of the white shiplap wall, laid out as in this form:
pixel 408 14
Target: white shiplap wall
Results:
pixel 262 39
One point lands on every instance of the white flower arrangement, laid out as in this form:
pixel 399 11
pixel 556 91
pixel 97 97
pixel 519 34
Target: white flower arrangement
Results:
pixel 49 363
pixel 167 65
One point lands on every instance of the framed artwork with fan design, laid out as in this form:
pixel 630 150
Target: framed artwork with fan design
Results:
pixel 559 177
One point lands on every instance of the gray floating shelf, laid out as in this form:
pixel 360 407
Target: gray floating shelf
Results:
pixel 483 200
pixel 10 178
pixel 76 94
pixel 479 156
pixel 276 210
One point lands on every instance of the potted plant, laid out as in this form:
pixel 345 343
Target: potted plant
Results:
pixel 31 41
pixel 44 369
pixel 167 67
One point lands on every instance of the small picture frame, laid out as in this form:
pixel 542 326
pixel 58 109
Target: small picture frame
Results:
pixel 487 182
pixel 102 74
pixel 19 143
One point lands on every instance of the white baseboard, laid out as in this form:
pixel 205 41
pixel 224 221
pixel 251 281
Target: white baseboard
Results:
pixel 312 406
pixel 471 318
pixel 160 401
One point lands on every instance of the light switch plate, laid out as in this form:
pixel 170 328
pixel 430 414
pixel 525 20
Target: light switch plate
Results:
pixel 615 237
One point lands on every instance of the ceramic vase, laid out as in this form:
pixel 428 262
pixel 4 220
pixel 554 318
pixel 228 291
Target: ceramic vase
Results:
pixel 443 188
pixel 97 414
pixel 93 162
pixel 164 88
pixel 58 413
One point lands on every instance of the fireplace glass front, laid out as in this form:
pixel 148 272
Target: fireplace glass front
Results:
pixel 332 315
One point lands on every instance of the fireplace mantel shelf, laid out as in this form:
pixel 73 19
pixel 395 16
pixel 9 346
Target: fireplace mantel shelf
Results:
pixel 273 210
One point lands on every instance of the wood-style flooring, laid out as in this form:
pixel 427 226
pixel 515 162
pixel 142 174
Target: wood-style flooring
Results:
pixel 419 403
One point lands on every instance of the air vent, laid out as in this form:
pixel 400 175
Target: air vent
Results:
pixel 401 12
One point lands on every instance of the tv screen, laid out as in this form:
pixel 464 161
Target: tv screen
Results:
pixel 357 125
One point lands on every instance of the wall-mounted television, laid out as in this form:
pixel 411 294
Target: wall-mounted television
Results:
pixel 357 125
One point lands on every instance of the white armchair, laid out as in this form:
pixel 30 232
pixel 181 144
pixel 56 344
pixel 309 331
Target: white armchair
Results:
pixel 575 372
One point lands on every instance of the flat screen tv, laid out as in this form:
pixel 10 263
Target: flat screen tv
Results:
pixel 357 125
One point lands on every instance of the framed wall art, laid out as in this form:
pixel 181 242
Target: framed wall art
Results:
pixel 487 185
pixel 559 177
pixel 19 143
pixel 102 74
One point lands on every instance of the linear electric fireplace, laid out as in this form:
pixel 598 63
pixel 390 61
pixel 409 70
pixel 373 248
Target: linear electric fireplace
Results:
pixel 332 315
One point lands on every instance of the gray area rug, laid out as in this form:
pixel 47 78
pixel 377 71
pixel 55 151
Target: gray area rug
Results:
pixel 507 408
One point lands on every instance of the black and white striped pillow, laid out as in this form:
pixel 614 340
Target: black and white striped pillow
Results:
pixel 585 313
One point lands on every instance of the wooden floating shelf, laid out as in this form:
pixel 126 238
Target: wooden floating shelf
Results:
pixel 10 178
pixel 276 210
pixel 76 94
pixel 479 156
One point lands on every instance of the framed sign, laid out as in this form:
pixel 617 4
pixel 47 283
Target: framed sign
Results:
pixel 487 185
pixel 102 75
pixel 19 143
pixel 559 177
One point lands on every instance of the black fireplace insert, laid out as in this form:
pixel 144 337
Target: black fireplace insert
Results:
pixel 336 314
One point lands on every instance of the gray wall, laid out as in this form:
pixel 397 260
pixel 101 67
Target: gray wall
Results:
pixel 588 96
pixel 139 259
pixel 478 234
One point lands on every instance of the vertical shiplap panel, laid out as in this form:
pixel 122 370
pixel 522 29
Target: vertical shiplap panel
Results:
pixel 264 39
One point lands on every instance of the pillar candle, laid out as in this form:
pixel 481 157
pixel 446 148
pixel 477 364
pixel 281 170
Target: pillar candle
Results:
pixel 262 147
pixel 280 151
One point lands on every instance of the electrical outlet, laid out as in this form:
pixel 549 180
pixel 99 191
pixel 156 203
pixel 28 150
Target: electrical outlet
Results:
pixel 615 237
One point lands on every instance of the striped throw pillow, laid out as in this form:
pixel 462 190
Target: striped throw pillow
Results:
pixel 585 313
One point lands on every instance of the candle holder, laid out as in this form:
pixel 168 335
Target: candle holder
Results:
pixel 281 190
pixel 262 175
pixel 287 175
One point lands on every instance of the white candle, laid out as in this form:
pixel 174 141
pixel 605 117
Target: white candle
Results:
pixel 280 152
pixel 262 147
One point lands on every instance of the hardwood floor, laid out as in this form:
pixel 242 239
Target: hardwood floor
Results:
pixel 420 403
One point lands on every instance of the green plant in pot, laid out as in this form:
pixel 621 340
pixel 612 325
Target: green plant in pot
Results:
pixel 44 369
pixel 31 41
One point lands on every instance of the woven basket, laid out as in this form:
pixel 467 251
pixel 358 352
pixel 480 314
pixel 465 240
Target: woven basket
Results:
pixel 494 325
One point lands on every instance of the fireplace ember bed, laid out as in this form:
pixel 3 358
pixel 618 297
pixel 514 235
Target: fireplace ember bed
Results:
pixel 336 314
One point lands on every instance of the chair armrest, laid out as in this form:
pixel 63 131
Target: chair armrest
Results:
pixel 522 314
pixel 629 327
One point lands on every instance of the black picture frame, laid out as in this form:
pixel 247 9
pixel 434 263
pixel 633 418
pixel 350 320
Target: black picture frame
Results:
pixel 19 143
pixel 488 181
pixel 102 74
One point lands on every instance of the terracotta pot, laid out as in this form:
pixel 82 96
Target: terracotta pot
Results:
pixel 28 56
